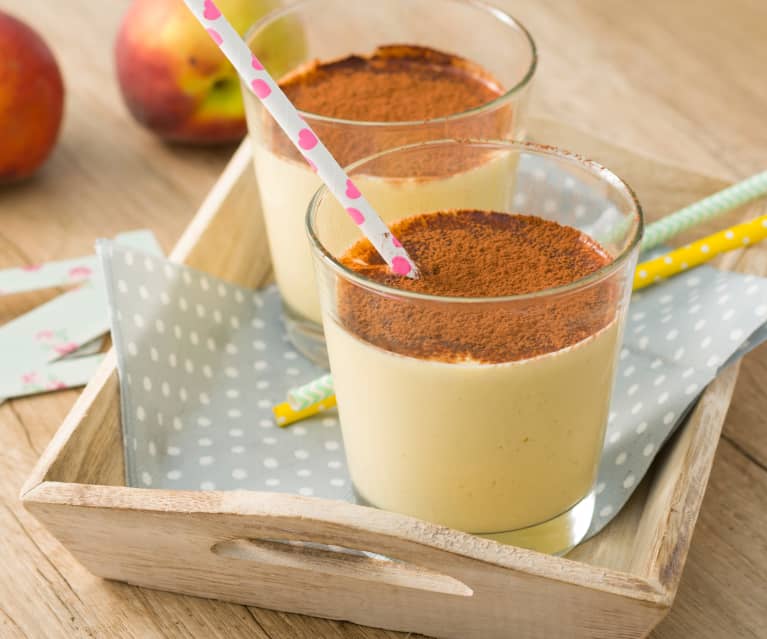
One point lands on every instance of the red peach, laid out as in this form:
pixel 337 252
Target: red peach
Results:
pixel 173 77
pixel 31 100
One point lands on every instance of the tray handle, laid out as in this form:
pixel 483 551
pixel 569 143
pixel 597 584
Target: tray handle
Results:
pixel 339 561
pixel 290 533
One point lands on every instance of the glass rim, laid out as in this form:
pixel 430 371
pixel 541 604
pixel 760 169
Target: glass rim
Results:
pixel 499 14
pixel 596 169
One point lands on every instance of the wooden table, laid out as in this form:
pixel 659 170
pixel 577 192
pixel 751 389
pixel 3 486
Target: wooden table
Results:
pixel 682 81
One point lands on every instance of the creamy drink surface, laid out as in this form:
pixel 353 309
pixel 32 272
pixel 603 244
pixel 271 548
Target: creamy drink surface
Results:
pixel 484 417
pixel 412 85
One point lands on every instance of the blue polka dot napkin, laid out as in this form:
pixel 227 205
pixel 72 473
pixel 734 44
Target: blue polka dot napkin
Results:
pixel 201 362
pixel 678 335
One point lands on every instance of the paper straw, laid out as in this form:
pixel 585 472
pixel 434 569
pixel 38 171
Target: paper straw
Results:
pixel 712 206
pixel 317 395
pixel 300 134
pixel 284 415
pixel 701 251
pixel 311 393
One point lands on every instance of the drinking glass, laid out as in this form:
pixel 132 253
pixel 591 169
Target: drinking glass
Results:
pixel 326 30
pixel 507 450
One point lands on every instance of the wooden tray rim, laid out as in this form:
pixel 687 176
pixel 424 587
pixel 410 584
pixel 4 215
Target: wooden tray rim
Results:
pixel 668 554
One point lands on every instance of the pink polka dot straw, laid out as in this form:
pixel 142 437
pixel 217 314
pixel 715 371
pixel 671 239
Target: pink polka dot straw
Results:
pixel 313 150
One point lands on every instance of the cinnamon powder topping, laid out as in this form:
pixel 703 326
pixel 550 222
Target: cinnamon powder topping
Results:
pixel 395 83
pixel 479 254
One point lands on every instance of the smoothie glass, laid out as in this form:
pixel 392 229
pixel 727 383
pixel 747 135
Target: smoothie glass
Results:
pixel 509 450
pixel 330 29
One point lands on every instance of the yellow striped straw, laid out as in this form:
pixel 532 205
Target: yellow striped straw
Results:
pixel 646 273
pixel 699 252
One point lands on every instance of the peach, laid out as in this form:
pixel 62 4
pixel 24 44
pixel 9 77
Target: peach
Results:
pixel 31 100
pixel 173 77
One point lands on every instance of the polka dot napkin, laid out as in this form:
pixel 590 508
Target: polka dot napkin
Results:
pixel 678 335
pixel 201 362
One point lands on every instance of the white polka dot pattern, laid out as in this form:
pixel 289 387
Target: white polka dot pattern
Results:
pixel 677 336
pixel 213 360
pixel 207 370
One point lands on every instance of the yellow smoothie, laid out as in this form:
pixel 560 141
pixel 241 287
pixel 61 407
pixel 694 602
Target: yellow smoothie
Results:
pixel 413 85
pixel 485 417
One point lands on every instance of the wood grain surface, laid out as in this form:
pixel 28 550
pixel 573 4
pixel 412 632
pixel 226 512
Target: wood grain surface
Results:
pixel 681 81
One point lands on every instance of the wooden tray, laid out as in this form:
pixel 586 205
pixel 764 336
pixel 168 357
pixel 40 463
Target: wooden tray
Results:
pixel 446 583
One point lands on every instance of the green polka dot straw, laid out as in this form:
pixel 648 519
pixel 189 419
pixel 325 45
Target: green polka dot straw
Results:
pixel 712 206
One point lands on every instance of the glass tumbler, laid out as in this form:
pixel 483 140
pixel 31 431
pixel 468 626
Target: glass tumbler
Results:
pixel 327 30
pixel 507 450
